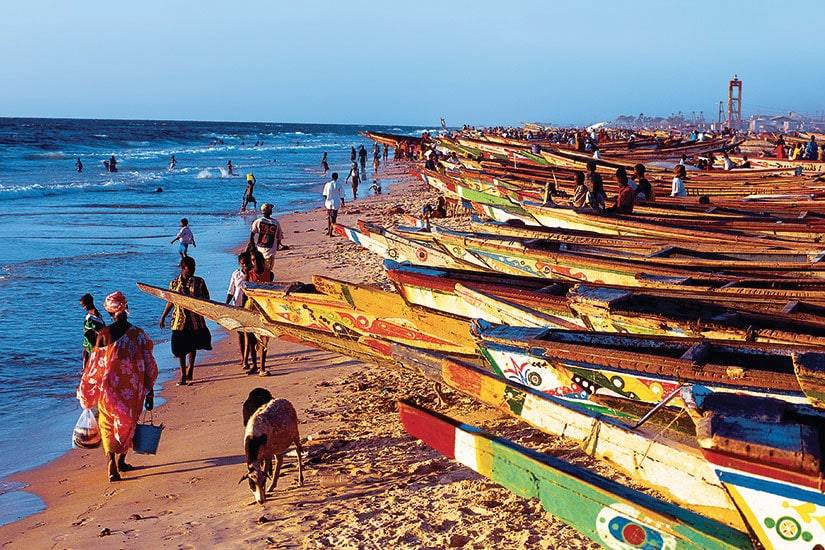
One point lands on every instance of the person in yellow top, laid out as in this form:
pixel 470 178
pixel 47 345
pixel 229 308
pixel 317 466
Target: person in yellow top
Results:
pixel 248 197
pixel 797 152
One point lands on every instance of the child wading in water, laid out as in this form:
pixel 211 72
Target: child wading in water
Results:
pixel 185 237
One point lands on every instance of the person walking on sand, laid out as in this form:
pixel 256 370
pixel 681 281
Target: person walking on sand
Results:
pixel 324 164
pixel 236 297
pixel 230 169
pixel 189 330
pixel 118 381
pixel 78 166
pixel 92 324
pixel 266 235
pixel 333 201
pixel 248 197
pixel 386 153
pixel 185 237
pixel 355 178
pixel 362 157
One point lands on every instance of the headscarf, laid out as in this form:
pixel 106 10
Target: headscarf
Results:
pixel 116 303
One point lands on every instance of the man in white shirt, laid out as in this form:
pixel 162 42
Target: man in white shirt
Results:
pixel 266 235
pixel 333 200
pixel 236 297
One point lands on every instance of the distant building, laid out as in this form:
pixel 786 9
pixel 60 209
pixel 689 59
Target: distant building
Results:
pixel 791 122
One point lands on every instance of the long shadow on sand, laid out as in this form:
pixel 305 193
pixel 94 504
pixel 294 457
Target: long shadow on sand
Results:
pixel 202 464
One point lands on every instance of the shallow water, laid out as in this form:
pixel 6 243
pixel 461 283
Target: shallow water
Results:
pixel 66 233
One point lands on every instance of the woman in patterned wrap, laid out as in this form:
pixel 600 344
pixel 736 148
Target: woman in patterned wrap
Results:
pixel 120 374
pixel 189 330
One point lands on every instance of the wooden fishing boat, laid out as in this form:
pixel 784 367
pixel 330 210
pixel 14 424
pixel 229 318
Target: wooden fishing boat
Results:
pixel 604 309
pixel 396 247
pixel 653 453
pixel 392 140
pixel 644 245
pixel 807 166
pixel 769 457
pixel 568 218
pixel 583 365
pixel 514 258
pixel 608 512
pixel 387 316
pixel 254 320
pixel 278 305
pixel 637 252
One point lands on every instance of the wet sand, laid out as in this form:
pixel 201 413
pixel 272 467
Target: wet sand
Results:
pixel 367 483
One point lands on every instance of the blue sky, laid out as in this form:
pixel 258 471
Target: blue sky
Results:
pixel 379 62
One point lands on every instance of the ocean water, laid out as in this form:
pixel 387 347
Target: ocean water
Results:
pixel 65 233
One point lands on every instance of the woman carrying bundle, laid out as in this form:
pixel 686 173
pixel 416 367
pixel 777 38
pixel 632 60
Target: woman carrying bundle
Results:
pixel 119 377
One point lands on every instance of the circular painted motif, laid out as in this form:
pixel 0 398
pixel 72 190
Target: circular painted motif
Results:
pixel 633 534
pixel 788 528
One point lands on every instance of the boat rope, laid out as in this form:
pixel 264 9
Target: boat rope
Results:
pixel 656 437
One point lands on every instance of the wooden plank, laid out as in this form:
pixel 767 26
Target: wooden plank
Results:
pixel 607 512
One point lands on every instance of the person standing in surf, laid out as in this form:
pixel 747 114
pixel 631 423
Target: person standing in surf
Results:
pixel 362 157
pixel 355 178
pixel 78 166
pixel 352 155
pixel 230 169
pixel 189 330
pixel 173 162
pixel 324 164
pixel 185 237
pixel 248 197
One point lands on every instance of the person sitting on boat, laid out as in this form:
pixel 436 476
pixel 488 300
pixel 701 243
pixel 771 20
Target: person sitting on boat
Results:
pixel 644 191
pixel 797 152
pixel 729 164
pixel 621 172
pixel 625 198
pixel 677 188
pixel 595 188
pixel 811 149
pixel 597 155
pixel 779 150
pixel 745 162
pixel 580 193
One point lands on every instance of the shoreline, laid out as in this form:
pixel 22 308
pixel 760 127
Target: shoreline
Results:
pixel 29 498
pixel 368 483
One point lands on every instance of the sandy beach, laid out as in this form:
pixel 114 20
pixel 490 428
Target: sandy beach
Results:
pixel 368 484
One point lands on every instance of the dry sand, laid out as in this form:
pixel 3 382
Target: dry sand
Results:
pixel 368 484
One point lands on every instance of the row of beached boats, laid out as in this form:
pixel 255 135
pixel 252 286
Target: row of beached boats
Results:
pixel 683 344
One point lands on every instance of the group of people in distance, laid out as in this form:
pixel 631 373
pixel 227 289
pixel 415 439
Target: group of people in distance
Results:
pixel 799 150
pixel 589 191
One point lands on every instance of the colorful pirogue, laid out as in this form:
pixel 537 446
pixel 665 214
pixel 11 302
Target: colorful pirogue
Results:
pixel 682 344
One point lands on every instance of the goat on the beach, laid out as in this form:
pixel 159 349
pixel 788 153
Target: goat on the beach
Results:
pixel 270 432
pixel 256 399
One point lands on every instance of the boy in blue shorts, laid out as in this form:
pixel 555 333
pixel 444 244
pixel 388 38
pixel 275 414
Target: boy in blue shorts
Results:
pixel 185 237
